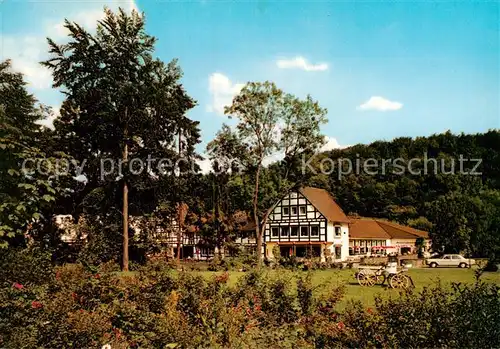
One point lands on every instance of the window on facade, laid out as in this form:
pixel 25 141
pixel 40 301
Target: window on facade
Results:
pixel 337 231
pixel 284 231
pixel 314 230
pixel 294 231
pixel 338 252
pixel 286 211
pixel 304 231
pixel 274 231
pixel 294 210
pixel 302 210
pixel 351 251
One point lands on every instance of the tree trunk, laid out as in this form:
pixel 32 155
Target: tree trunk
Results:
pixel 179 231
pixel 125 214
pixel 258 231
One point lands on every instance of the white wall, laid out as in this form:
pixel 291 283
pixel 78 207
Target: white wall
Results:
pixel 343 239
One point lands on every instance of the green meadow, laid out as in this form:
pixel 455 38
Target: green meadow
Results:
pixel 328 279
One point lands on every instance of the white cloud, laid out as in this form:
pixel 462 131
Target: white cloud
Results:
pixel 49 120
pixel 205 165
pixel 27 51
pixel 380 104
pixel 222 91
pixel 331 143
pixel 87 19
pixel 300 63
pixel 276 157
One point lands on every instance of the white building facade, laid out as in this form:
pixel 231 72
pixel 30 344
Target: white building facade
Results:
pixel 307 223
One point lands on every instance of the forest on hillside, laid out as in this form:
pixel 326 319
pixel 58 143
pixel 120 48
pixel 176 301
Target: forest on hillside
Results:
pixel 459 208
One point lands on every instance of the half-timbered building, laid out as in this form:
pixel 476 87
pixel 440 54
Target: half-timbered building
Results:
pixel 307 222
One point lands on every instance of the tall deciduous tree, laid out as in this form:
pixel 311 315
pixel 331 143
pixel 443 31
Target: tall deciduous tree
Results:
pixel 29 178
pixel 123 108
pixel 270 122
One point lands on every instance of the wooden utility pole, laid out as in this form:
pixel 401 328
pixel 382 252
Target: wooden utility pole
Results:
pixel 125 199
pixel 258 228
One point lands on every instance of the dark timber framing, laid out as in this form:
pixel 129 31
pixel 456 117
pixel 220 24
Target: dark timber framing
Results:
pixel 311 218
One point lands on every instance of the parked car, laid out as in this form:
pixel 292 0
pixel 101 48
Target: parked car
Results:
pixel 450 260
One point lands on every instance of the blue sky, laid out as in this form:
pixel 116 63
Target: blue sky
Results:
pixel 382 69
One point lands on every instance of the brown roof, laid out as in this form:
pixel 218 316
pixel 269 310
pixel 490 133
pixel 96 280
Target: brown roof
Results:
pixel 324 203
pixel 364 228
pixel 372 228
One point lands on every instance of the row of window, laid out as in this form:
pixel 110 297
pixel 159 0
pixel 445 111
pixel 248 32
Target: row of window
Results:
pixel 367 243
pixel 285 210
pixel 307 251
pixel 365 250
pixel 305 231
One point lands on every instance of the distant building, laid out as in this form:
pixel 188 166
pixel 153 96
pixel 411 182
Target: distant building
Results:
pixel 308 221
pixel 305 222
pixel 372 236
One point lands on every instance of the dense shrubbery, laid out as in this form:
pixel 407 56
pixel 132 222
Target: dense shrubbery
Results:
pixel 72 306
pixel 242 262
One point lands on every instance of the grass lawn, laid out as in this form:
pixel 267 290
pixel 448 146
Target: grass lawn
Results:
pixel 421 277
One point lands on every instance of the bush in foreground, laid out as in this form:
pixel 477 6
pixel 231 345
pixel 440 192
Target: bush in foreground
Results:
pixel 157 307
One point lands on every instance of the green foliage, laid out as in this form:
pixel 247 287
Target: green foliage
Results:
pixel 420 223
pixel 462 317
pixel 121 104
pixel 26 266
pixel 160 307
pixel 269 121
pixel 30 179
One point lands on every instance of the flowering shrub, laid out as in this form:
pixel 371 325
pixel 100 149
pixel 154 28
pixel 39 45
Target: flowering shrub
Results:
pixel 159 307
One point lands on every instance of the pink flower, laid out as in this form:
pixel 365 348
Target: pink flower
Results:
pixel 58 275
pixel 17 286
pixel 36 305
pixel 369 310
pixel 341 325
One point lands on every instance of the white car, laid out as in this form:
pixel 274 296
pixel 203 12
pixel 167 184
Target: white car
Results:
pixel 450 260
